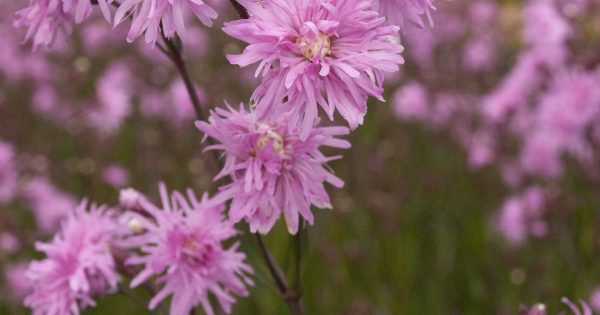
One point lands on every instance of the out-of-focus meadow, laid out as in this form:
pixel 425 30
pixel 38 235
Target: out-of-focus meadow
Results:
pixel 418 227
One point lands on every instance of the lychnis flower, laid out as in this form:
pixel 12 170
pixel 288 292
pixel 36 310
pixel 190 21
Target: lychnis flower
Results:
pixel 273 170
pixel 50 20
pixel 181 244
pixel 78 266
pixel 327 52
pixel 168 16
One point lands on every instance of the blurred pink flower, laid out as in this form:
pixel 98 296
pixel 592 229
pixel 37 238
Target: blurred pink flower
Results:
pixel 332 53
pixel 595 300
pixel 46 20
pixel 410 102
pixel 168 16
pixel 9 243
pixel 8 173
pixel 115 175
pixel 182 245
pixel 16 279
pixel 49 20
pixel 49 205
pixel 273 170
pixel 79 264
pixel 114 92
pixel 401 11
pixel 522 215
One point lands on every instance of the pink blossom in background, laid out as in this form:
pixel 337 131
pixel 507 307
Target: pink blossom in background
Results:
pixel 8 173
pixel 479 54
pixel 16 279
pixel 114 92
pixel 332 53
pixel 46 22
pixel 481 150
pixel 273 171
pixel 522 215
pixel 400 12
pixel 181 245
pixel 9 243
pixel 49 205
pixel 173 105
pixel 78 265
pixel 115 175
pixel 148 16
pixel 410 102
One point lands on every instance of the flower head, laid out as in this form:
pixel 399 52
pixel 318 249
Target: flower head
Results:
pixel 48 20
pixel 327 52
pixel 150 16
pixel 273 170
pixel 78 265
pixel 181 244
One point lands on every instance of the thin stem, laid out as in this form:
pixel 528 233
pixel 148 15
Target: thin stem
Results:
pixel 276 272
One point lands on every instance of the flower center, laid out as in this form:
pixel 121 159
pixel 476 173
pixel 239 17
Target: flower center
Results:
pixel 310 47
pixel 197 253
pixel 270 140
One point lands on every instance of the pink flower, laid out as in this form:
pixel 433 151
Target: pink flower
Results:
pixel 273 170
pixel 46 21
pixel 522 215
pixel 327 52
pixel 149 16
pixel 595 300
pixel 78 264
pixel 400 11
pixel 49 20
pixel 114 92
pixel 17 281
pixel 115 175
pixel 410 102
pixel 8 173
pixel 181 244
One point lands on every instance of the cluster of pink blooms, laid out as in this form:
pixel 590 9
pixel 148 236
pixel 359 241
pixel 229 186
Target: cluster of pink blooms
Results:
pixel 546 107
pixel 311 54
pixel 331 54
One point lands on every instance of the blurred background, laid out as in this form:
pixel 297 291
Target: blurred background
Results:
pixel 473 190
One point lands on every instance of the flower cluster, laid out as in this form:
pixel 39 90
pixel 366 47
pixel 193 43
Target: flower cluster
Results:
pixel 181 243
